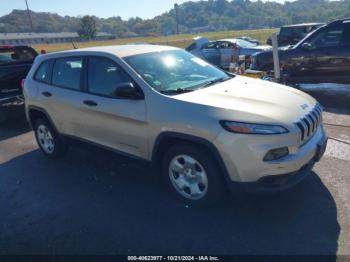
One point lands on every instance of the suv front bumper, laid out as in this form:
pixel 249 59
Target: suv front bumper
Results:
pixel 246 169
pixel 277 183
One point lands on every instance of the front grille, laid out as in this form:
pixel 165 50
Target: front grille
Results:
pixel 309 123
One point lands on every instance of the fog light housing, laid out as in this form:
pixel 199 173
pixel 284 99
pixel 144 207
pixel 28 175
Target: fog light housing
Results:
pixel 276 154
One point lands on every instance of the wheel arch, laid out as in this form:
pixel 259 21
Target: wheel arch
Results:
pixel 166 139
pixel 36 113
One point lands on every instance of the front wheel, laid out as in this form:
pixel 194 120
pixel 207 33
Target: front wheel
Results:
pixel 192 174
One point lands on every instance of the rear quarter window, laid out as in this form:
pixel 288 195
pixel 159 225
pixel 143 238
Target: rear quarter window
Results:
pixel 43 73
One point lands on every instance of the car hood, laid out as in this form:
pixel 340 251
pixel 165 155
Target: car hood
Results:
pixel 251 100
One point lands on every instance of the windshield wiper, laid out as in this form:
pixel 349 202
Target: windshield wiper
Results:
pixel 214 81
pixel 186 90
pixel 176 91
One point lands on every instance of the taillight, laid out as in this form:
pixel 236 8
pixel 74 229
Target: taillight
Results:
pixel 22 83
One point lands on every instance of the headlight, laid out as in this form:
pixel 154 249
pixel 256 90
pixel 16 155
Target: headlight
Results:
pixel 248 128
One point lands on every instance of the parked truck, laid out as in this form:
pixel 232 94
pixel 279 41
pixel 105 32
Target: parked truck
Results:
pixel 15 63
pixel 321 57
pixel 292 34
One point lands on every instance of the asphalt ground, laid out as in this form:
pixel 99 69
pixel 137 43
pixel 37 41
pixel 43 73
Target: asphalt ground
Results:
pixel 95 202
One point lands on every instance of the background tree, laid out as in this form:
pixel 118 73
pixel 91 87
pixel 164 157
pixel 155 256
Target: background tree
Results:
pixel 88 28
pixel 216 14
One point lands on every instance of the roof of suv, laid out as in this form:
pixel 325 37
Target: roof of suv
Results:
pixel 340 21
pixel 122 50
pixel 302 25
pixel 14 46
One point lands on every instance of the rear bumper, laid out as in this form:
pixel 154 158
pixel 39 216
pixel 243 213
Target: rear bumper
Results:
pixel 276 183
pixel 17 100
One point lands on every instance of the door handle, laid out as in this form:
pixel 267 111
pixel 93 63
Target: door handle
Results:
pixel 47 94
pixel 90 103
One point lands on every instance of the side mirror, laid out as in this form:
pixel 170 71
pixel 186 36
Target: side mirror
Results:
pixel 307 46
pixel 129 91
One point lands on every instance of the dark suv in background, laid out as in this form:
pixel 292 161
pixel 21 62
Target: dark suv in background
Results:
pixel 15 63
pixel 321 57
pixel 292 34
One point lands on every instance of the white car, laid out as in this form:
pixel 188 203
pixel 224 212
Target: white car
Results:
pixel 224 51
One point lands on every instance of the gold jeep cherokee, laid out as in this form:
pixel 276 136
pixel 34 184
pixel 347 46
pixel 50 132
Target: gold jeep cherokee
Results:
pixel 203 128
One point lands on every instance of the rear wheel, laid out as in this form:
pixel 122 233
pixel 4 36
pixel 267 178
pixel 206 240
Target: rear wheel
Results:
pixel 48 140
pixel 192 174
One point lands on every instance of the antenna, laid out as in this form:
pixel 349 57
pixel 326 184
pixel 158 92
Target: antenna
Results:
pixel 176 7
pixel 74 45
pixel 29 17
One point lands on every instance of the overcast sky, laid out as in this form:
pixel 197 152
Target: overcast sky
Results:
pixel 100 8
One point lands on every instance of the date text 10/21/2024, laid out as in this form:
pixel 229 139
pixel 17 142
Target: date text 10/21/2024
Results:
pixel 173 258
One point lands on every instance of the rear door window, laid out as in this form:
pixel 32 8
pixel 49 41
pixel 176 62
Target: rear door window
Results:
pixel 225 45
pixel 211 45
pixel 67 72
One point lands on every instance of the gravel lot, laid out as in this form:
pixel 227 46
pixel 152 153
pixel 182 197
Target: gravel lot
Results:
pixel 95 202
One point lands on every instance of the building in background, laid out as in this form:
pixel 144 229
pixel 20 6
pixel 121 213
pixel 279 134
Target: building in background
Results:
pixel 46 38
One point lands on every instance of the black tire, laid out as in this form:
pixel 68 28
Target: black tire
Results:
pixel 215 181
pixel 59 147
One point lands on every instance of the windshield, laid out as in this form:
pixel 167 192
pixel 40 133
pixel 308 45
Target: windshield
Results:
pixel 171 71
pixel 245 44
pixel 294 31
pixel 308 36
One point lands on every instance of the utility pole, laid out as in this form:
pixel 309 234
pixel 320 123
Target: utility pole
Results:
pixel 176 6
pixel 29 17
pixel 276 59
